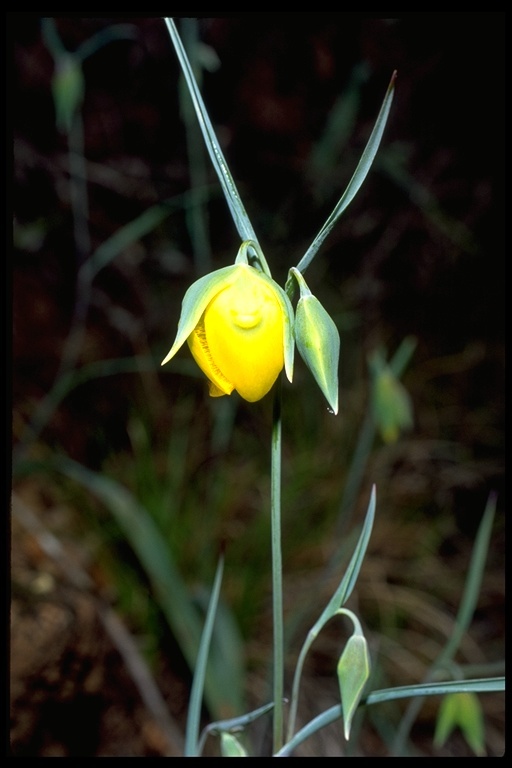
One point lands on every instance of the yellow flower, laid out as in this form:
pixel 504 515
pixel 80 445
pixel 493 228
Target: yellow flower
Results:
pixel 238 324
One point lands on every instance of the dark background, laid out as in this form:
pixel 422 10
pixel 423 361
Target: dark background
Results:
pixel 419 253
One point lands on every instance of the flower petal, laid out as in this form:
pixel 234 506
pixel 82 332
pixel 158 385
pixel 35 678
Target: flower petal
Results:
pixel 219 385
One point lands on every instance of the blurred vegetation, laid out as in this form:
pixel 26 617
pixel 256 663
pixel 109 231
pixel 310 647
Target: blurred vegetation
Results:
pixel 116 210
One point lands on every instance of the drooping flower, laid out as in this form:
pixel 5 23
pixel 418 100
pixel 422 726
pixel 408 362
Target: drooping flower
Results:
pixel 238 323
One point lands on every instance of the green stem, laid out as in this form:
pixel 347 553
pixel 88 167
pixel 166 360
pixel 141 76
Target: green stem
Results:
pixel 294 701
pixel 277 580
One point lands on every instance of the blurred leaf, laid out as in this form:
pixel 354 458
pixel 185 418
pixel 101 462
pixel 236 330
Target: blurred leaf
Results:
pixel 473 582
pixel 464 617
pixel 104 36
pixel 394 161
pixel 136 229
pixel 339 129
pixel 392 405
pixel 224 678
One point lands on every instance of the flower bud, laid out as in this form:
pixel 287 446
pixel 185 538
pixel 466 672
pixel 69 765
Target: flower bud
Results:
pixel 461 710
pixel 238 324
pixel 353 673
pixel 392 405
pixel 68 90
pixel 318 341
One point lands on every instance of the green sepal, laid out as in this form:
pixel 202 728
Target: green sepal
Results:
pixel 250 253
pixel 353 672
pixel 318 341
pixel 230 746
pixel 195 301
pixel 462 710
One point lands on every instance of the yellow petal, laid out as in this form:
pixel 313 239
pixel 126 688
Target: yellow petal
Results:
pixel 219 385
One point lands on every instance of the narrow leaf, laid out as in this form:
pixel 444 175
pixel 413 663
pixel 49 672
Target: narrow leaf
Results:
pixel 357 179
pixel 197 691
pixel 348 582
pixel 486 685
pixel 240 217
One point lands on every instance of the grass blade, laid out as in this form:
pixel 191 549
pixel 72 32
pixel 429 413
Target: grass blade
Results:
pixel 197 692
pixel 224 678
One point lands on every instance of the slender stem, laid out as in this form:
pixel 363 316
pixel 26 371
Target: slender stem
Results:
pixel 294 701
pixel 277 580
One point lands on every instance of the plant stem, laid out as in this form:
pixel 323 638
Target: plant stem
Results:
pixel 277 581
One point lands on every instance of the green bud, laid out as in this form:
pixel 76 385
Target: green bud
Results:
pixel 68 90
pixel 230 746
pixel 318 341
pixel 353 673
pixel 392 405
pixel 462 710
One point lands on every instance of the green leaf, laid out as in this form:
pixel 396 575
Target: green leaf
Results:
pixel 473 584
pixel 353 672
pixel 462 710
pixel 348 582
